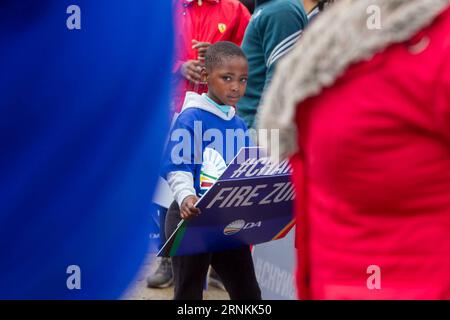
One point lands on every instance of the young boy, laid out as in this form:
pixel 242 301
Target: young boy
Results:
pixel 192 165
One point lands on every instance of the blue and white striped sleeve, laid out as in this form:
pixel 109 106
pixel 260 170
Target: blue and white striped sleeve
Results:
pixel 281 31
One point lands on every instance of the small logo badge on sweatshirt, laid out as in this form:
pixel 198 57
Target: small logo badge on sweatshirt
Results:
pixel 222 27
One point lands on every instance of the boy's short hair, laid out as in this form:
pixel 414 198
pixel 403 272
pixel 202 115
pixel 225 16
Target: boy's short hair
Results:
pixel 221 50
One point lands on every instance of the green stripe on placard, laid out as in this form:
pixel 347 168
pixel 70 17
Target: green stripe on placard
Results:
pixel 207 175
pixel 178 237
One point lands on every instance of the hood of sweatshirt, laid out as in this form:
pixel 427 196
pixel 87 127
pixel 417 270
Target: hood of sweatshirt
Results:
pixel 194 100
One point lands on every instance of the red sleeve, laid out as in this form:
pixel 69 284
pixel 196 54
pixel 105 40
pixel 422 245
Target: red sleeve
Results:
pixel 301 227
pixel 243 18
pixel 442 97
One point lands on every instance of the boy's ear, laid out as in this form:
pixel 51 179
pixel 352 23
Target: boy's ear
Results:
pixel 204 74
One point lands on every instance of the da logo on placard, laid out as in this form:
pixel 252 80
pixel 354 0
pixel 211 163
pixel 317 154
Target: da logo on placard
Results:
pixel 222 27
pixel 234 227
pixel 238 225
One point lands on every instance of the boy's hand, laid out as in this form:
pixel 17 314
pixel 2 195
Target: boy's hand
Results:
pixel 192 70
pixel 187 209
pixel 201 47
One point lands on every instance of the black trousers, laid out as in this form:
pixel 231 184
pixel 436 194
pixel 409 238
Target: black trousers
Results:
pixel 234 267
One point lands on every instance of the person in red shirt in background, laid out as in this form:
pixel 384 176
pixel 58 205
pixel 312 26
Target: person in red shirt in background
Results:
pixel 362 106
pixel 198 24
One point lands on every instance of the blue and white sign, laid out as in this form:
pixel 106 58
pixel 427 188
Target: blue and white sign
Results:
pixel 250 203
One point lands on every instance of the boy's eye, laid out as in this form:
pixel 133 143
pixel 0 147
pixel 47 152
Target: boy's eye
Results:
pixel 244 80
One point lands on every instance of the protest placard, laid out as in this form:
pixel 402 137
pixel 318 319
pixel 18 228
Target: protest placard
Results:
pixel 250 203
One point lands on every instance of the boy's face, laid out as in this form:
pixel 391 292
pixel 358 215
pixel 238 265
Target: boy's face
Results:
pixel 228 80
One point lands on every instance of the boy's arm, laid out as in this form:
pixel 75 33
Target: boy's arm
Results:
pixel 182 185
pixel 179 167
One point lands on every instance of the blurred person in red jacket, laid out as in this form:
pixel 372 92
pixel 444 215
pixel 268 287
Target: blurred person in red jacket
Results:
pixel 363 109
pixel 200 23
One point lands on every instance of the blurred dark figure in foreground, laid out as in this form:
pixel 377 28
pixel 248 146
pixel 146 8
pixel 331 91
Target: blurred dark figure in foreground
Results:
pixel 83 109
